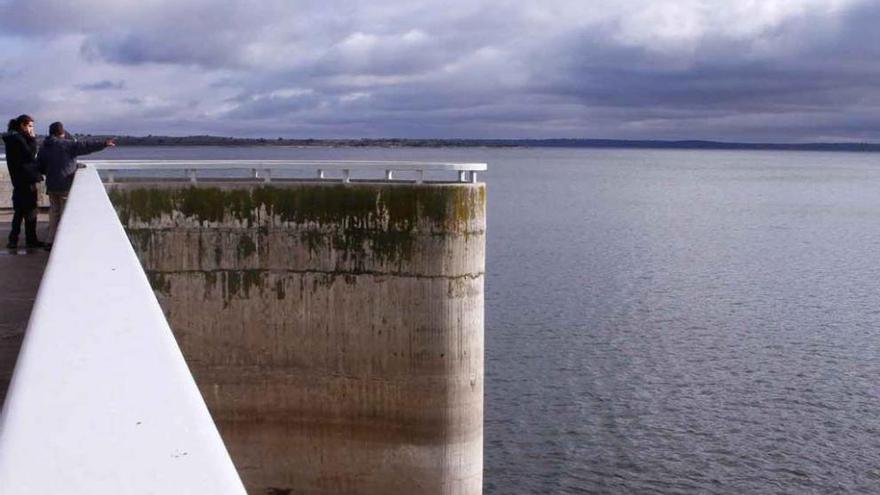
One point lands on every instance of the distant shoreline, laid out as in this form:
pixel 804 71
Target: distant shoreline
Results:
pixel 483 143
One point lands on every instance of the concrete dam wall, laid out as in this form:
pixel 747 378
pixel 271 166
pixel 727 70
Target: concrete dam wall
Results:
pixel 335 330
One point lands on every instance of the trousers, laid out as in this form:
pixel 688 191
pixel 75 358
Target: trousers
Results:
pixel 57 200
pixel 24 204
pixel 29 217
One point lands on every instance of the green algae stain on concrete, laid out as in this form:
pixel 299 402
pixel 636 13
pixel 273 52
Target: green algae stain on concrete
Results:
pixel 207 204
pixel 381 221
pixel 159 282
pixel 402 207
pixel 212 204
pixel 240 283
pixel 140 239
pixel 246 246
pixel 313 239
pixel 143 204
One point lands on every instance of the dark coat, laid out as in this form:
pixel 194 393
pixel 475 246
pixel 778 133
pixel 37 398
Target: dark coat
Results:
pixel 21 153
pixel 57 160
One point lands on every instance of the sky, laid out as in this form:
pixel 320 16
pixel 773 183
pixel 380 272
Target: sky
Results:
pixel 731 70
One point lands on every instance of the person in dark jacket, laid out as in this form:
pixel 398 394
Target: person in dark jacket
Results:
pixel 57 159
pixel 21 153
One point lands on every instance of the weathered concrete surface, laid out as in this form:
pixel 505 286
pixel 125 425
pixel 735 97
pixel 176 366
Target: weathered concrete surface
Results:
pixel 20 275
pixel 336 331
pixel 6 190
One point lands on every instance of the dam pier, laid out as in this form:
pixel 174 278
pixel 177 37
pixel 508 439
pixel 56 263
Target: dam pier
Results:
pixel 332 324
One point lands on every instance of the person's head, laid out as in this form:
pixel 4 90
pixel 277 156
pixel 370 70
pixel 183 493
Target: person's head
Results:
pixel 56 129
pixel 23 123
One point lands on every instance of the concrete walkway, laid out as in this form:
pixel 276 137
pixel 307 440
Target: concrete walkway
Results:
pixel 20 275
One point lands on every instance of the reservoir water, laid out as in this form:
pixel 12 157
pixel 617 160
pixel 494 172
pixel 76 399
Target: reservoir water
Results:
pixel 671 321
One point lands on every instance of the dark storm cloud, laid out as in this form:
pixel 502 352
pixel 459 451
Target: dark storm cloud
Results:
pixel 143 48
pixel 719 75
pixel 709 69
pixel 102 85
pixel 814 79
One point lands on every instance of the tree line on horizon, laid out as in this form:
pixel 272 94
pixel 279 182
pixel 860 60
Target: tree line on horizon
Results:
pixel 205 140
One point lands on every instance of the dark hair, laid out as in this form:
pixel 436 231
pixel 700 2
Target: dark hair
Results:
pixel 56 129
pixel 16 123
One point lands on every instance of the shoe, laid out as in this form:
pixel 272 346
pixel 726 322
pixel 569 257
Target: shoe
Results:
pixel 12 245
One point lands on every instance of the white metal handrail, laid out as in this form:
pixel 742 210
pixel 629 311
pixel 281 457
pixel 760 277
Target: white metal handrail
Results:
pixel 467 172
pixel 101 400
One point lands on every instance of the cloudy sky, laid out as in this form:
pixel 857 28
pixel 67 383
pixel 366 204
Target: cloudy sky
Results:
pixel 758 70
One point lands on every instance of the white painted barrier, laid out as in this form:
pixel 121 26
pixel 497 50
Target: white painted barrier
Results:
pixel 101 400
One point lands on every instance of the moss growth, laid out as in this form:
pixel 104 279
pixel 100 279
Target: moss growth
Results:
pixel 159 282
pixel 358 220
pixel 252 279
pixel 140 239
pixel 313 238
pixel 207 204
pixel 144 204
pixel 359 205
pixel 239 283
pixel 246 246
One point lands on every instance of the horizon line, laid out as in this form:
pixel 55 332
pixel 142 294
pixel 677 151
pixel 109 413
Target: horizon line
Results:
pixel 194 139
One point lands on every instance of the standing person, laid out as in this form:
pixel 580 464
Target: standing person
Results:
pixel 21 153
pixel 57 159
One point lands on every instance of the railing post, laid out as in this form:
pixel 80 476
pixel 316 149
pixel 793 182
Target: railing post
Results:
pixel 473 176
pixel 268 175
pixel 192 175
pixel 389 174
pixel 346 175
pixel 320 173
pixel 461 176
pixel 421 178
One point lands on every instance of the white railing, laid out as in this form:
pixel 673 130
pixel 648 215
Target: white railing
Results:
pixel 262 169
pixel 101 400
